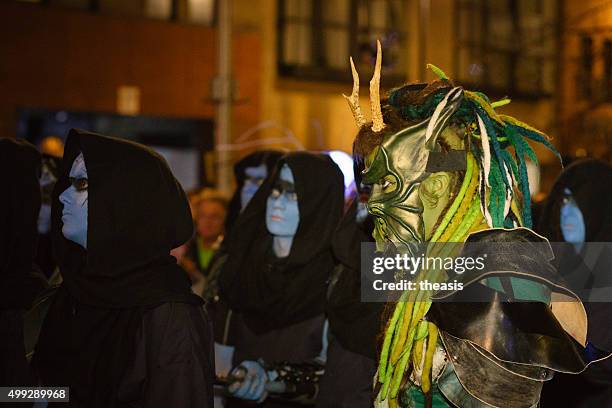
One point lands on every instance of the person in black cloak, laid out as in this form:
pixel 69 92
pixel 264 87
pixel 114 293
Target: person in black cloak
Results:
pixel 279 262
pixel 20 280
pixel 354 325
pixel 249 173
pixel 124 329
pixel 48 178
pixel 576 212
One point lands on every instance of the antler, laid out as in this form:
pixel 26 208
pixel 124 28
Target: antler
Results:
pixel 353 100
pixel 377 118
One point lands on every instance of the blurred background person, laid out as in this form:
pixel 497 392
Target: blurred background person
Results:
pixel 44 254
pixel 20 279
pixel 249 174
pixel 52 146
pixel 209 211
pixel 576 213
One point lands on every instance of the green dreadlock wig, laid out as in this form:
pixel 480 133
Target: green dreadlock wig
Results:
pixel 402 147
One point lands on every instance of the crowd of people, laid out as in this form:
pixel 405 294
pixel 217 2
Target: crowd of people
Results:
pixel 135 294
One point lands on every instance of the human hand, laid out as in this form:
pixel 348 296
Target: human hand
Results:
pixel 249 383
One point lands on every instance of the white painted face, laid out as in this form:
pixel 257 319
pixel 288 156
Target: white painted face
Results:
pixel 282 212
pixel 254 179
pixel 75 202
pixel 571 220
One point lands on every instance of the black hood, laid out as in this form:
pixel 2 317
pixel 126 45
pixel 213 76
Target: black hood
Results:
pixel 137 213
pixel 273 293
pixel 19 207
pixel 346 312
pixel 590 181
pixel 267 157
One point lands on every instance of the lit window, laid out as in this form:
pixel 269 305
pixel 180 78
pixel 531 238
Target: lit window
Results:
pixel 317 37
pixel 507 46
pixel 200 11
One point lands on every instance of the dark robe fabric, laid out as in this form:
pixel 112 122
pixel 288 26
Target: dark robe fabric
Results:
pixel 125 330
pixel 347 314
pixel 20 280
pixel 278 305
pixel 589 181
pixel 354 325
pixel 347 382
pixel 44 252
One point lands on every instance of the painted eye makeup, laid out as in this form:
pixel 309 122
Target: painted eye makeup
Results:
pixel 256 180
pixel 284 188
pixel 80 184
pixel 567 196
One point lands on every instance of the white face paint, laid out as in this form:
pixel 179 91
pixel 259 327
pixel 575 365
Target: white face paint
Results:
pixel 571 220
pixel 75 202
pixel 254 178
pixel 282 213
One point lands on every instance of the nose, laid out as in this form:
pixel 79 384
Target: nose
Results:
pixel 63 198
pixel 279 202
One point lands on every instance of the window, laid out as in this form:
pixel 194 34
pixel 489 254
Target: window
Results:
pixel 200 12
pixel 507 47
pixel 316 38
pixel 70 4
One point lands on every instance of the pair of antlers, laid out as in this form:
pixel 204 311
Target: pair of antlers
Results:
pixel 377 118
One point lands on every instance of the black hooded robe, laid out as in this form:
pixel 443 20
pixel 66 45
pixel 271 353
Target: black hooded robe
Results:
pixel 280 303
pixel 125 330
pixel 589 181
pixel 354 325
pixel 20 280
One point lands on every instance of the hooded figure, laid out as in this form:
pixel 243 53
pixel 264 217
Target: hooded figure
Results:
pixel 353 324
pixel 249 172
pixel 19 280
pixel 585 179
pixel 576 212
pixel 281 300
pixel 124 327
pixel 48 178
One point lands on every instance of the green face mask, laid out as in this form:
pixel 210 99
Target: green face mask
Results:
pixel 396 169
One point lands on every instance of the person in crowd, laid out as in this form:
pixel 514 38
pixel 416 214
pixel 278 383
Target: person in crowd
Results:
pixel 210 208
pixel 353 324
pixel 275 276
pixel 52 146
pixel 20 280
pixel 44 253
pixel 576 213
pixel 124 328
pixel 249 173
pixel 446 168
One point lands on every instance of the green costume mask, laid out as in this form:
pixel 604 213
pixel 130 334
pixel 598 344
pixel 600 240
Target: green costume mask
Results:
pixel 400 164
pixel 399 152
